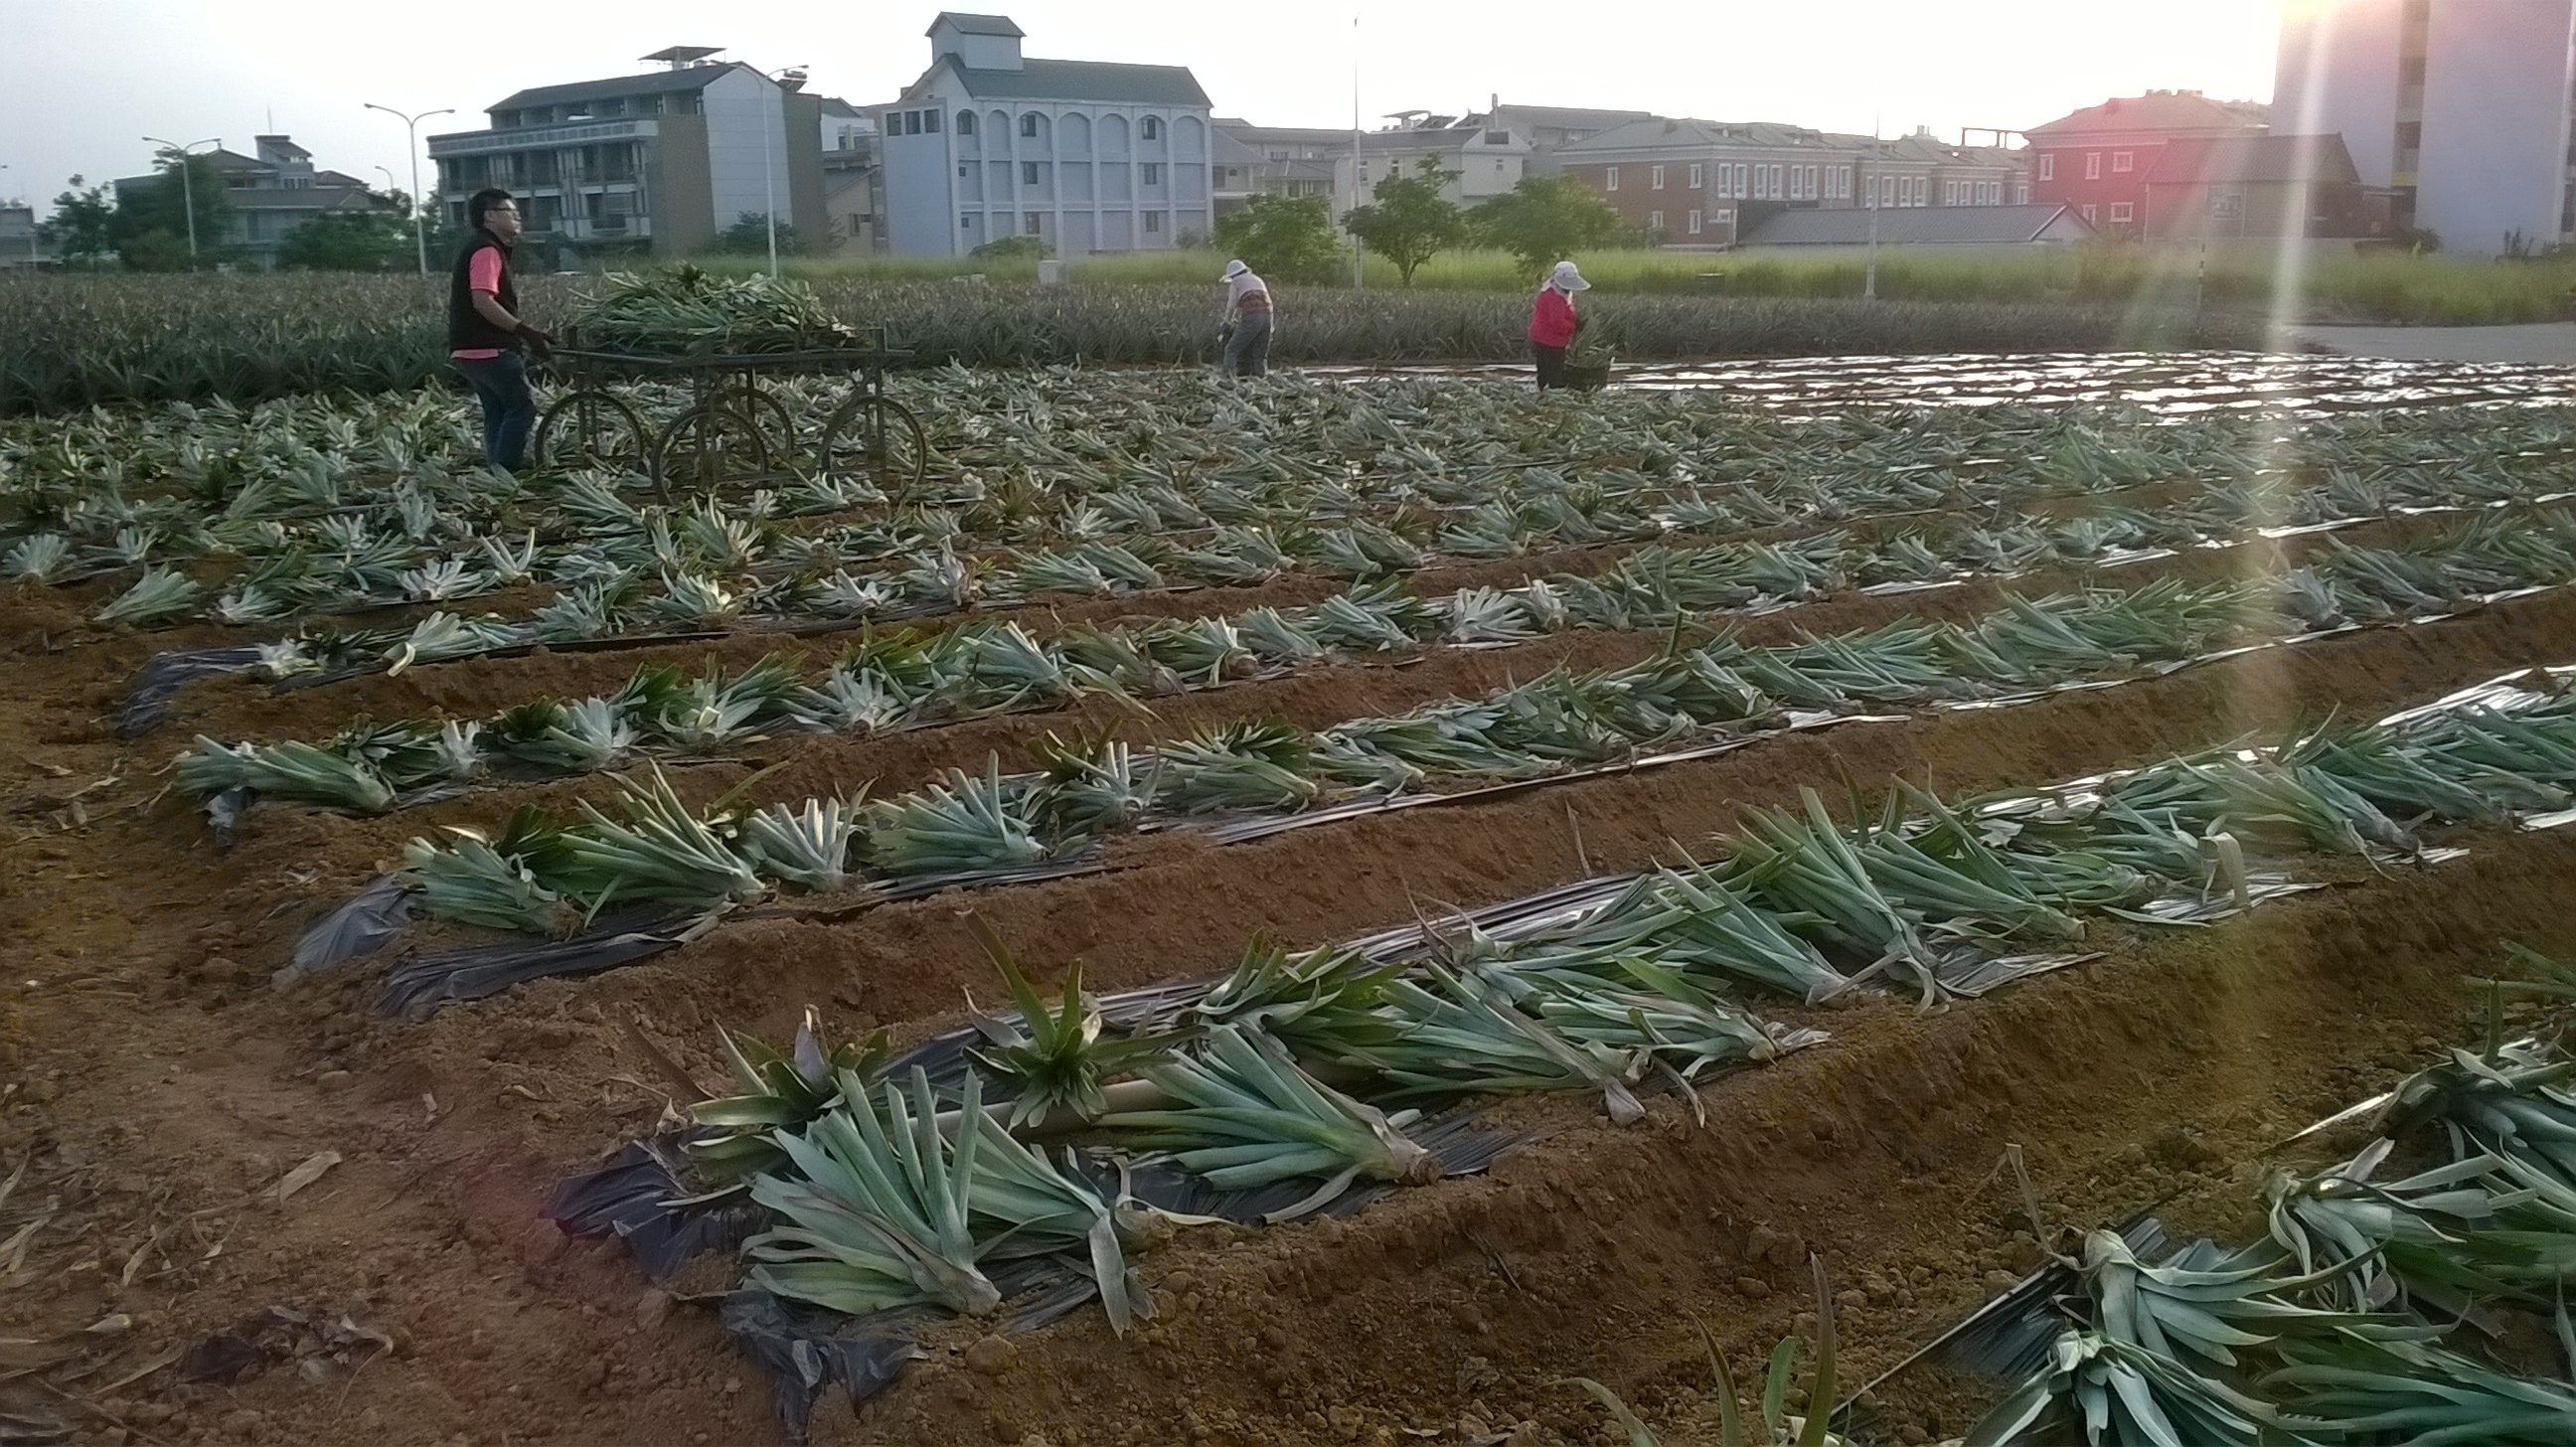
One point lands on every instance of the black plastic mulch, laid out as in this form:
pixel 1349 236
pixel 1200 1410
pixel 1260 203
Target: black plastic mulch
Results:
pixel 147 703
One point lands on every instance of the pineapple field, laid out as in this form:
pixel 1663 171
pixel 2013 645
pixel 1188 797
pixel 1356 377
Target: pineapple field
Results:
pixel 2011 898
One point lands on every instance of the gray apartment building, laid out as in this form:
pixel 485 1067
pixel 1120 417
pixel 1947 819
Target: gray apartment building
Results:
pixel 2455 112
pixel 267 195
pixel 20 246
pixel 660 161
pixel 1083 155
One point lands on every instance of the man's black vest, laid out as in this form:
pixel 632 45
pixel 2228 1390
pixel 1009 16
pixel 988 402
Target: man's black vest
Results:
pixel 466 328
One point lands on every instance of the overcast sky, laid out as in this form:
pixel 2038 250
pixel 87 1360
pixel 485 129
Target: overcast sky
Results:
pixel 86 79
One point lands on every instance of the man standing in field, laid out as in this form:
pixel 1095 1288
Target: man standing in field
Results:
pixel 485 334
pixel 1246 327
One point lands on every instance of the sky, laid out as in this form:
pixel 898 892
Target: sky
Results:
pixel 85 80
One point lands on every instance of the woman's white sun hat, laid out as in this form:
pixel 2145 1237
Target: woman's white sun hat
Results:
pixel 1233 269
pixel 1566 278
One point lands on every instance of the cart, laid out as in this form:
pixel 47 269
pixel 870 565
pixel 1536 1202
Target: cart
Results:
pixel 734 432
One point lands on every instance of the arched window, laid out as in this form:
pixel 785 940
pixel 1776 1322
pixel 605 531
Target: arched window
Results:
pixel 965 123
pixel 1153 128
pixel 1029 123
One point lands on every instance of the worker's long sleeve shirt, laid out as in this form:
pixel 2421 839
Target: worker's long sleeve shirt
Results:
pixel 1552 318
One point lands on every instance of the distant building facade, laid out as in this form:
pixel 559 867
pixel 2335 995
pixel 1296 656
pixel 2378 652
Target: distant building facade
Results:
pixel 20 245
pixel 2241 188
pixel 2458 111
pixel 267 195
pixel 2097 159
pixel 660 161
pixel 1083 155
pixel 853 181
pixel 1714 183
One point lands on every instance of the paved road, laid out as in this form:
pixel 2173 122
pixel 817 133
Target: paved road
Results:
pixel 2551 343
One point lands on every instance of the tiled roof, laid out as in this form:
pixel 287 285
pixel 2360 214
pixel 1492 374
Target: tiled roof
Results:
pixel 2170 110
pixel 658 82
pixel 978 24
pixel 1080 80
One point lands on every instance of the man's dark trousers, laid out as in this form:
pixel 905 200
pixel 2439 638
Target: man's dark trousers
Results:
pixel 509 408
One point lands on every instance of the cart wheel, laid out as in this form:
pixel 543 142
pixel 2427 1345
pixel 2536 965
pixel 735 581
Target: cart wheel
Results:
pixel 876 438
pixel 591 429
pixel 705 447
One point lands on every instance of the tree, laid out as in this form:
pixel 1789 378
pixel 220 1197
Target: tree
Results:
pixel 749 236
pixel 1409 220
pixel 1285 238
pixel 1543 220
pixel 162 204
pixel 82 230
pixel 346 241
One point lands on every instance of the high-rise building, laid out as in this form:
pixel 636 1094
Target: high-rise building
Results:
pixel 2457 110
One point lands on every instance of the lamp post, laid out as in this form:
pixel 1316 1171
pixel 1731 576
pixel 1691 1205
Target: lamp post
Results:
pixel 187 191
pixel 411 137
pixel 768 166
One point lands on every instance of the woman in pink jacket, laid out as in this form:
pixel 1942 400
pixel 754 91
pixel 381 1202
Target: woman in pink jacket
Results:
pixel 1553 323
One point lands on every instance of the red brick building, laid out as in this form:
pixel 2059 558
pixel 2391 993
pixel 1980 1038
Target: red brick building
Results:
pixel 2097 160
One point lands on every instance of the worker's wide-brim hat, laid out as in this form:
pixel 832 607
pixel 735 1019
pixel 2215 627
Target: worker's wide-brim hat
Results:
pixel 1566 278
pixel 1233 269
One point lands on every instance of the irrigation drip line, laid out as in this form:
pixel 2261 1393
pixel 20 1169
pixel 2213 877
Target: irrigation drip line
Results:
pixel 427 982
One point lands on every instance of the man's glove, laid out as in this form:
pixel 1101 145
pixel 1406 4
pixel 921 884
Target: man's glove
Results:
pixel 538 342
pixel 1225 333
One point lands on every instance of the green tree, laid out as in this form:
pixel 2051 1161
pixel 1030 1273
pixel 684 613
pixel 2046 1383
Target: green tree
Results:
pixel 162 204
pixel 1409 222
pixel 82 230
pixel 346 241
pixel 1285 238
pixel 1543 220
pixel 749 236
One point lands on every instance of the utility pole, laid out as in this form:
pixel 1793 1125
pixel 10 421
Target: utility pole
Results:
pixel 187 191
pixel 411 139
pixel 769 167
pixel 1359 281
pixel 1869 270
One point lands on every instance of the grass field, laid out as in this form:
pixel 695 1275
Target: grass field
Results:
pixel 2382 288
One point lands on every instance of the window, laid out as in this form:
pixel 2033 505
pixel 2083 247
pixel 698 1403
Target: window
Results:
pixel 1032 221
pixel 2048 167
pixel 1743 181
pixel 961 170
pixel 930 122
pixel 1654 221
pixel 1609 178
pixel 1153 130
pixel 1691 222
pixel 1698 176
pixel 1153 222
pixel 1949 193
pixel 912 123
pixel 1779 180
pixel 1029 124
pixel 2092 165
pixel 2088 213
pixel 1654 178
pixel 965 123
pixel 2123 162
pixel 1153 173
pixel 2227 206
pixel 1028 173
pixel 2123 212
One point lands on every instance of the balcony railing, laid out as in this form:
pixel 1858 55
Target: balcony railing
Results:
pixel 531 138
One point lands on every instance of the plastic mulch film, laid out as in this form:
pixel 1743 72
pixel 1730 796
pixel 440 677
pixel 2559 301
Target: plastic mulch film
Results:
pixel 147 703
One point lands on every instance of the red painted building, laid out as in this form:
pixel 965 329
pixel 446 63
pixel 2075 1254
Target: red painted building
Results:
pixel 2097 160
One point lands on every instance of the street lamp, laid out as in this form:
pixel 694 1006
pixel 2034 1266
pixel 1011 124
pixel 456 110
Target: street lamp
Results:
pixel 411 138
pixel 187 192
pixel 768 167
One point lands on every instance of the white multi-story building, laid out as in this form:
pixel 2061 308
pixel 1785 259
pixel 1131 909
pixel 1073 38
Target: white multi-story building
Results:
pixel 1084 155
pixel 2459 109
